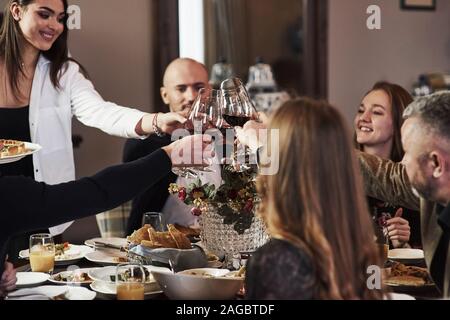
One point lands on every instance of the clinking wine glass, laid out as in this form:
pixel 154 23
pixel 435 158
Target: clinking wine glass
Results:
pixel 205 116
pixel 237 109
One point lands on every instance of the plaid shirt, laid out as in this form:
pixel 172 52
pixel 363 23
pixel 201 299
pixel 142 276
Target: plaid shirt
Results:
pixel 113 223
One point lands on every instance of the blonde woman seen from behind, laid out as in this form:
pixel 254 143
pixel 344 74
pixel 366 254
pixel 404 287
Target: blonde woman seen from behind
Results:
pixel 315 211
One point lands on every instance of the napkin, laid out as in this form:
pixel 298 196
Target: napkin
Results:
pixel 38 293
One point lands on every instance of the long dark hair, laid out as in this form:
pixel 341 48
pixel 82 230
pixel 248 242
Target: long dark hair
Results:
pixel 400 99
pixel 316 202
pixel 10 37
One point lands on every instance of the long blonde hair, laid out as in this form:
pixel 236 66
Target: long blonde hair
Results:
pixel 317 202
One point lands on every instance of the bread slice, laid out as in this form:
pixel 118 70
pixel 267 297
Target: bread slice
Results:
pixel 161 239
pixel 151 244
pixel 182 242
pixel 139 235
pixel 188 232
pixel 149 237
pixel 405 281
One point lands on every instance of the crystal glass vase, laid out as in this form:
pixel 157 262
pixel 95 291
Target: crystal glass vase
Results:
pixel 223 239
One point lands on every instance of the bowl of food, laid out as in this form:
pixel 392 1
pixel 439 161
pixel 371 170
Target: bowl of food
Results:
pixel 402 278
pixel 171 249
pixel 200 284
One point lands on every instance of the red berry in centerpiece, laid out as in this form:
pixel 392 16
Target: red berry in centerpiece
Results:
pixel 248 205
pixel 182 194
pixel 232 194
pixel 196 211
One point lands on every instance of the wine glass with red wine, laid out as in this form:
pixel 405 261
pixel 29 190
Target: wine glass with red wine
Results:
pixel 205 115
pixel 237 109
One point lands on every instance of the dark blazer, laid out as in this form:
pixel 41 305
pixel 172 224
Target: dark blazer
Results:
pixel 388 181
pixel 154 198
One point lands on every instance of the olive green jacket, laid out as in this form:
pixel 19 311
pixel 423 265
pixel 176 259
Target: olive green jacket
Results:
pixel 388 181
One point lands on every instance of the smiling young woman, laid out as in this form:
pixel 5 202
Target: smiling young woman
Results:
pixel 377 132
pixel 43 88
pixel 31 27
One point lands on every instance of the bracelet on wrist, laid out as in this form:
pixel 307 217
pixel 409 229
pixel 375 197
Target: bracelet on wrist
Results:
pixel 155 127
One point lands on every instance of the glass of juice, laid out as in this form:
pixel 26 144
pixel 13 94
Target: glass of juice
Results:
pixel 42 253
pixel 130 281
pixel 383 247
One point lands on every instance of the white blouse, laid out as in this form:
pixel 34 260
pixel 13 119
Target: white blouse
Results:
pixel 50 118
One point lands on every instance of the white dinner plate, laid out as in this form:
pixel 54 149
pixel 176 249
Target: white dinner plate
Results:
pixel 26 279
pixel 107 257
pixel 109 289
pixel 70 274
pixel 105 273
pixel 31 148
pixel 406 255
pixel 121 242
pixel 74 254
pixel 67 293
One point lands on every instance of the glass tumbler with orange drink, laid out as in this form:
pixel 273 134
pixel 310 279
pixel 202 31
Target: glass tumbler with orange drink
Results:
pixel 42 253
pixel 383 246
pixel 130 281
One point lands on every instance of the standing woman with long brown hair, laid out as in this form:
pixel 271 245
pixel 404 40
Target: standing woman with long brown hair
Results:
pixel 314 207
pixel 41 88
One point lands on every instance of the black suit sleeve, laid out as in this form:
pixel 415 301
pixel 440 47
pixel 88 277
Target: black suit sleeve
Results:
pixel 154 197
pixel 27 204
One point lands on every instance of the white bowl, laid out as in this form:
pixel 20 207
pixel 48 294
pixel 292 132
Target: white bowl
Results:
pixel 406 255
pixel 199 284
pixel 102 277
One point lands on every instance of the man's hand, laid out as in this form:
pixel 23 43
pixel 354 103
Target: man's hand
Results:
pixel 8 280
pixel 398 230
pixel 250 135
pixel 263 118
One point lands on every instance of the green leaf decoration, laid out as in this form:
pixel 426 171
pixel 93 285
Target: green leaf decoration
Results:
pixel 230 199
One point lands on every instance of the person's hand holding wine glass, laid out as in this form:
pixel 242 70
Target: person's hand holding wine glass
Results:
pixel 237 110
pixel 204 116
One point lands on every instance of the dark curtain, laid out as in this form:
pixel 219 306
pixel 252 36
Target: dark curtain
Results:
pixel 316 48
pixel 166 46
pixel 231 34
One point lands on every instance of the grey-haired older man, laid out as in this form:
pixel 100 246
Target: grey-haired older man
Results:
pixel 422 179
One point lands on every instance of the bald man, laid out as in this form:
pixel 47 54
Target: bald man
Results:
pixel 182 81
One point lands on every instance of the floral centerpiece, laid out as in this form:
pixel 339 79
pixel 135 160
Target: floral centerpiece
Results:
pixel 234 200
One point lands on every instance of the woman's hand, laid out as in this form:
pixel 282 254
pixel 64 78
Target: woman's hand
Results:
pixel 398 229
pixel 169 122
pixel 8 280
pixel 195 150
pixel 165 122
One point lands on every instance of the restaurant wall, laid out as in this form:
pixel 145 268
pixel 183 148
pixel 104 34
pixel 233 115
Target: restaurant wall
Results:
pixel 409 43
pixel 115 45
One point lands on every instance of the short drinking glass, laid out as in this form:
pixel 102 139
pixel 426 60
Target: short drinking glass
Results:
pixel 42 253
pixel 130 281
pixel 155 220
